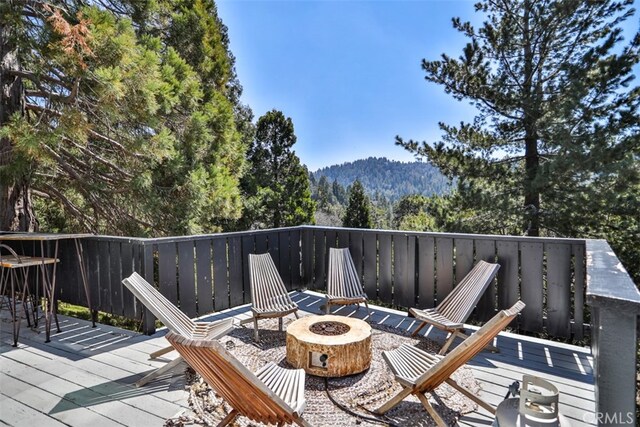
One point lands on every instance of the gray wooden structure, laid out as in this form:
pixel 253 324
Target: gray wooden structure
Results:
pixel 85 376
pixel 565 296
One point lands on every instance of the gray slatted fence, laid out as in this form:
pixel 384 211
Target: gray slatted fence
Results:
pixel 406 269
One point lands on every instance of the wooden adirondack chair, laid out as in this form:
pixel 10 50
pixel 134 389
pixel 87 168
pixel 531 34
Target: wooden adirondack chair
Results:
pixel 420 372
pixel 268 294
pixel 456 307
pixel 343 284
pixel 174 319
pixel 274 395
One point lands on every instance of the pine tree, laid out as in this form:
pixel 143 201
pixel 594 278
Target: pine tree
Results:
pixel 358 213
pixel 106 127
pixel 555 144
pixel 277 185
pixel 325 197
pixel 339 193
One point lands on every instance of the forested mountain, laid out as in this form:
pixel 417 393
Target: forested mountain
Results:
pixel 388 178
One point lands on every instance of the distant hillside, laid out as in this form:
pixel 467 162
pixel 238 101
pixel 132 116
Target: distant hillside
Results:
pixel 390 178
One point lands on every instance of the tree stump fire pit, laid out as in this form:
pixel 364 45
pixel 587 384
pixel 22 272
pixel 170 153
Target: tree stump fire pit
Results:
pixel 329 346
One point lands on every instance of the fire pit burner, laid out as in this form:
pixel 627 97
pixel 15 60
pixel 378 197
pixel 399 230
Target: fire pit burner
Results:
pixel 329 328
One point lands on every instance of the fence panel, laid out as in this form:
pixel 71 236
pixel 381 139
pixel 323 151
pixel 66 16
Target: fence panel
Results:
pixel 426 271
pixel 203 273
pixel 532 254
pixel 186 277
pixel 370 269
pixel 558 288
pixel 204 283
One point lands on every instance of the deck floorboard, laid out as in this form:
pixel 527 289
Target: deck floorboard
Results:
pixel 85 376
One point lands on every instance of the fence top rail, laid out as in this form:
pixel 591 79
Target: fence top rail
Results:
pixel 175 239
pixel 452 235
pixel 194 237
pixel 608 283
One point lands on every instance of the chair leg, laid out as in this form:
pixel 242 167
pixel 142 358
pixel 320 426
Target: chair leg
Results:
pixel 160 371
pixel 447 344
pixel 296 314
pixel 463 337
pixel 471 396
pixel 368 310
pixel 418 329
pixel 431 410
pixel 280 324
pixel 230 417
pixel 393 401
pixel 159 353
pixel 256 337
pixel 327 307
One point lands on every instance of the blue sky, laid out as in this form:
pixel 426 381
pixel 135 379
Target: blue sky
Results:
pixel 348 72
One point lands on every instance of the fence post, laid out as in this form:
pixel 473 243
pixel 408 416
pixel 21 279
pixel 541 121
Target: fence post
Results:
pixel 148 319
pixel 615 305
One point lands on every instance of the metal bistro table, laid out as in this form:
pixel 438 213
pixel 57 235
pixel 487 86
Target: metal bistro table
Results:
pixel 49 281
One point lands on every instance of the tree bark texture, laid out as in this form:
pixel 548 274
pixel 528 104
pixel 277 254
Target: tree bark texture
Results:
pixel 532 157
pixel 16 208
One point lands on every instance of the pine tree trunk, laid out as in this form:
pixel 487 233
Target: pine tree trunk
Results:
pixel 16 209
pixel 532 157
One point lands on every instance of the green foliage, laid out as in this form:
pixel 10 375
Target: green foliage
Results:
pixel 277 185
pixel 392 179
pixel 555 147
pixel 358 212
pixel 410 214
pixel 132 120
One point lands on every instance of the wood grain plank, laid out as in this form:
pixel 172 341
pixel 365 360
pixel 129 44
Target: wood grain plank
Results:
pixel 116 277
pixel 343 238
pixel 531 317
pixel 167 270
pixel 274 248
pixel 426 271
pixel 355 248
pixel 319 257
pixel 220 274
pixel 236 289
pixel 558 289
pixel 508 280
pixel 401 291
pixel 444 267
pixel 148 321
pixel 248 247
pixel 204 282
pixel 385 284
pixel 92 255
pixel 486 308
pixel 126 265
pixel 307 258
pixel 262 243
pixel 464 258
pixel 104 273
pixel 186 276
pixel 370 270
pixel 295 249
pixel 578 289
pixel 285 258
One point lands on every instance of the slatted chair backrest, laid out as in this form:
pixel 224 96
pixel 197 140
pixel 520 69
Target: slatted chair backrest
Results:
pixel 268 292
pixel 170 315
pixel 467 350
pixel 458 305
pixel 342 280
pixel 231 380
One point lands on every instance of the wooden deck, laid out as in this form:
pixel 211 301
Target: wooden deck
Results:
pixel 84 376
